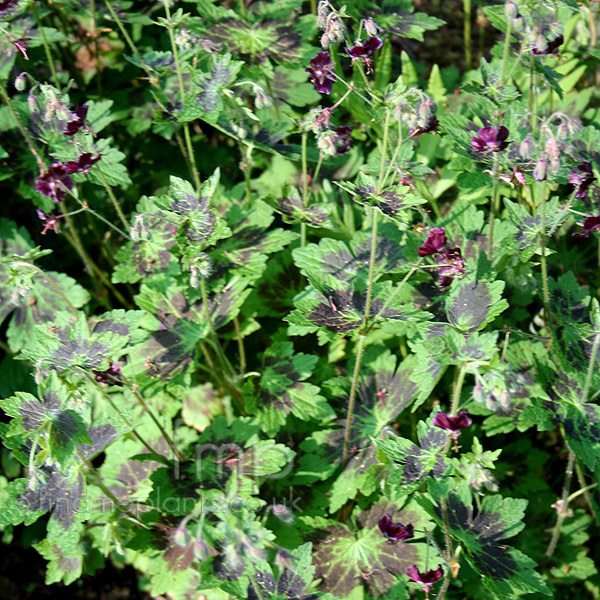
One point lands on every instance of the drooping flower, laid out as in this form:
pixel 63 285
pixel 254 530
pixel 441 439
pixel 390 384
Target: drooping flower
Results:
pixel 6 4
pixel 436 240
pixel 321 72
pixel 366 49
pixel 430 125
pixel 343 141
pixel 541 169
pixel 55 182
pixel 452 424
pixel 589 225
pixel 112 375
pixel 489 139
pixel 542 45
pixel 451 264
pixel 83 164
pixel 77 120
pixel 49 223
pixel 427 579
pixel 582 177
pixel 395 532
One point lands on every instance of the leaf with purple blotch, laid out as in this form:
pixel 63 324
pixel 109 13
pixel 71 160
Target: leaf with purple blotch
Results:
pixel 247 250
pixel 505 571
pixel 292 581
pixel 345 559
pixel 55 428
pixel 415 463
pixel 71 343
pixel 471 347
pixel 28 296
pixel 471 304
pixel 292 209
pixel 292 86
pixel 283 389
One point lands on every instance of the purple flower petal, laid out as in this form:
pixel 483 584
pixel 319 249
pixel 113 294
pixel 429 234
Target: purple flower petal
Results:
pixel 428 578
pixel 489 139
pixel 77 120
pixel 321 72
pixel 436 240
pixel 395 532
pixel 55 183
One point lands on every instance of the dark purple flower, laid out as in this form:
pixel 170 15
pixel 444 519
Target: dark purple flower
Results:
pixel 431 125
pixel 6 4
pixel 49 223
pixel 589 225
pixel 112 375
pixel 372 44
pixel 321 72
pixel 395 532
pixel 542 46
pixel 21 45
pixel 489 139
pixel 436 240
pixel 427 579
pixel 343 141
pixel 77 120
pixel 582 178
pixel 452 424
pixel 55 182
pixel 451 264
pixel 83 164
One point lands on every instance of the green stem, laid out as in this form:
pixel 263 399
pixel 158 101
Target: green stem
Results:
pixel 103 219
pixel 242 4
pixel 20 263
pixel 313 7
pixel 186 127
pixel 506 50
pixel 493 202
pixel 562 513
pixel 46 47
pixel 353 388
pixel 393 295
pixel 125 420
pixel 584 489
pixel 591 369
pixel 467 33
pixel 543 264
pixel 317 170
pixel 24 133
pixel 304 189
pixel 133 389
pixel 114 200
pixel 96 47
pixel 240 342
pixel 384 143
pixel 458 389
pixel 96 479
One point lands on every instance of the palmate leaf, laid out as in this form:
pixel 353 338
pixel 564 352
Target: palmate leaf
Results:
pixel 416 463
pixel 505 570
pixel 28 296
pixel 291 582
pixel 472 304
pixel 69 343
pixel 346 559
pixel 283 390
pixel 247 250
pixel 52 427
pixel 170 229
pixel 179 325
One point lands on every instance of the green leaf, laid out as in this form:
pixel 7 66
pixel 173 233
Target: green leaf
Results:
pixel 435 87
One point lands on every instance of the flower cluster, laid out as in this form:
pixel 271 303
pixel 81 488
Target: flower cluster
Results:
pixel 416 109
pixel 450 260
pixel 56 181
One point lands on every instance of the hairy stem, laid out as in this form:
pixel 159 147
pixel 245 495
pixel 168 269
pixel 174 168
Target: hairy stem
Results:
pixel 353 388
pixel 543 263
pixel 32 147
pixel 493 202
pixel 506 50
pixel 114 200
pixel 467 33
pixel 240 342
pixel 186 127
pixel 304 189
pixel 46 47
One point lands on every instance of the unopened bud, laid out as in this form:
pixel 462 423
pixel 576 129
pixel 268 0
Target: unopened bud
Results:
pixel 541 167
pixel 552 148
pixel 32 102
pixel 511 10
pixel 322 13
pixel 325 40
pixel 326 143
pixel 20 82
pixel 371 27
pixel 526 147
pixel 519 24
pixel 263 100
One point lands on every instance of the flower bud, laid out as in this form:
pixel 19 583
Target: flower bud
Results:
pixel 20 82
pixel 541 167
pixel 325 40
pixel 370 27
pixel 322 13
pixel 263 100
pixel 552 148
pixel 32 102
pixel 519 24
pixel 526 147
pixel 511 10
pixel 326 143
